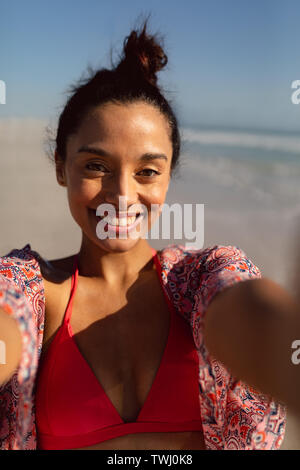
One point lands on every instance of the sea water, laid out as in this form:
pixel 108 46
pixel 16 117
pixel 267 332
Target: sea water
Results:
pixel 248 182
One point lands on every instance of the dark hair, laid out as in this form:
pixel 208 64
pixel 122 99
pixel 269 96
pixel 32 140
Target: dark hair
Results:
pixel 133 79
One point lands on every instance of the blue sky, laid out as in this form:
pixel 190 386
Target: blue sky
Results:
pixel 231 62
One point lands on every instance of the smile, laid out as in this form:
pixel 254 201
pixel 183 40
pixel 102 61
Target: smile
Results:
pixel 123 223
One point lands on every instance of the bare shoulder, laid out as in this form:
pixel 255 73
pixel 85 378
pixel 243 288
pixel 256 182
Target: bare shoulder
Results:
pixel 57 274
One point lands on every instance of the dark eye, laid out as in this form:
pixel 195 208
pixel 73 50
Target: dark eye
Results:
pixel 95 167
pixel 147 170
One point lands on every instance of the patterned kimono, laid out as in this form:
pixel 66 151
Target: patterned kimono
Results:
pixel 234 415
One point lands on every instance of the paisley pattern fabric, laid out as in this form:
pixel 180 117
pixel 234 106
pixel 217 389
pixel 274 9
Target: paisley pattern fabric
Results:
pixel 234 415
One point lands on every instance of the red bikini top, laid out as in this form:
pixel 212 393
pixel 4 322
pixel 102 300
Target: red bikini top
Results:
pixel 72 409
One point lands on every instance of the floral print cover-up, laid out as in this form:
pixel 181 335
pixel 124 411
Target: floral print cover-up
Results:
pixel 234 415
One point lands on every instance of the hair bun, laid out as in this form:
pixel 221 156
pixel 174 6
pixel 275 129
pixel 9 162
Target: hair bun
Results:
pixel 142 57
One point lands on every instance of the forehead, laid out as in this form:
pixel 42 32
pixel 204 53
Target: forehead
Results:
pixel 133 124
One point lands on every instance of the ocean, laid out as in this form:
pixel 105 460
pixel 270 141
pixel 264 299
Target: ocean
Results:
pixel 249 184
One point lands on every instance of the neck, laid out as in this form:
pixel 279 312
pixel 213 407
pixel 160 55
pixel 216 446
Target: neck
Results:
pixel 114 267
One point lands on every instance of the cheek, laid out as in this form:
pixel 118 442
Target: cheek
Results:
pixel 157 194
pixel 82 191
pixel 81 195
pixel 156 197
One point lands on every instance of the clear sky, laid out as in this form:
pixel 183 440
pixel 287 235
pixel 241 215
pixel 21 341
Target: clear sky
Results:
pixel 231 62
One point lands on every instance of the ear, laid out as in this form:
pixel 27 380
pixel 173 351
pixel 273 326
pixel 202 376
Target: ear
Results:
pixel 60 170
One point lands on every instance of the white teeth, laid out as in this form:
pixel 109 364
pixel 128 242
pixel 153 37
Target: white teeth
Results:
pixel 122 222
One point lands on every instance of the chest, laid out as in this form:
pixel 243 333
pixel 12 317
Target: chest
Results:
pixel 121 335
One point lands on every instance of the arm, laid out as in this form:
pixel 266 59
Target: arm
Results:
pixel 250 327
pixel 10 346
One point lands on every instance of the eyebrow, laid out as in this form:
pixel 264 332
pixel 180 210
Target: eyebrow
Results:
pixel 103 153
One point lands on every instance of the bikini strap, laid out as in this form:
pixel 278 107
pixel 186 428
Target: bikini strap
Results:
pixel 74 282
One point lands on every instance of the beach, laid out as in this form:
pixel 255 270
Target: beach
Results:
pixel 248 182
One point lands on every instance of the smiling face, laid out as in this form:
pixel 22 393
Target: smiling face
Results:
pixel 119 150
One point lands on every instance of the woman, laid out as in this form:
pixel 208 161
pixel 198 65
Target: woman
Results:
pixel 109 344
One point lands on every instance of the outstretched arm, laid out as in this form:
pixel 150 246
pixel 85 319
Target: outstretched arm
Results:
pixel 250 328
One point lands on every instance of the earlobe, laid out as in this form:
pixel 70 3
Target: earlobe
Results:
pixel 60 179
pixel 60 176
pixel 60 171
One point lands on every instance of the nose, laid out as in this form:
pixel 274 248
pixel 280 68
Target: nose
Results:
pixel 121 184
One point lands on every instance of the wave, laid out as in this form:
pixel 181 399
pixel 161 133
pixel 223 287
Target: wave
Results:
pixel 286 143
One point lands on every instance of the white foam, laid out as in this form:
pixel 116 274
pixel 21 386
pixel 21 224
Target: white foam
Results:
pixel 284 143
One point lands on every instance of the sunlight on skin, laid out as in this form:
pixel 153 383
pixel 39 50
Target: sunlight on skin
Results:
pixel 124 133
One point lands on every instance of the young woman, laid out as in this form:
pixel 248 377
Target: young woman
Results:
pixel 107 348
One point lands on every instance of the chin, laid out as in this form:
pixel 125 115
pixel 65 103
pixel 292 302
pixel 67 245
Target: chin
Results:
pixel 117 246
pixel 88 224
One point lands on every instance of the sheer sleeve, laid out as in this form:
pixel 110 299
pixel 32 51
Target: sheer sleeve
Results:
pixel 22 297
pixel 235 416
pixel 14 302
pixel 221 267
